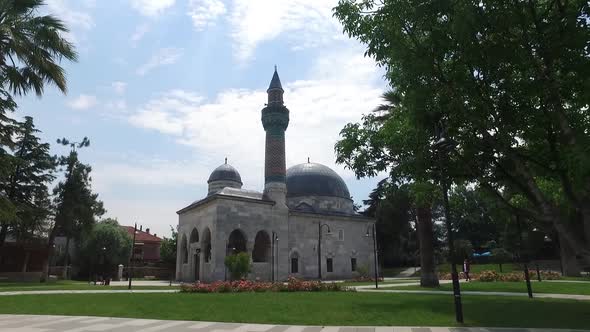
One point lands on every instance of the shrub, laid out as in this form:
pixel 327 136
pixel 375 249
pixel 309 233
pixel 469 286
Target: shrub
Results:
pixel 515 276
pixel 292 285
pixel 363 271
pixel 488 276
pixel 238 265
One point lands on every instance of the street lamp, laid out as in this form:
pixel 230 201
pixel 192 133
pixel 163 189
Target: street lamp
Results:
pixel 104 263
pixel 373 232
pixel 130 273
pixel 443 146
pixel 275 239
pixel 320 247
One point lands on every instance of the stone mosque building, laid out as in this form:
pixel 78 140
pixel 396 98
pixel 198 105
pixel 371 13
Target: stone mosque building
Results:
pixel 303 219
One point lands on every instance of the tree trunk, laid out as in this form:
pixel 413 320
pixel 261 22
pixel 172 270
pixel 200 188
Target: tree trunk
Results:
pixel 66 259
pixel 428 277
pixel 3 232
pixel 50 249
pixel 568 260
pixel 26 262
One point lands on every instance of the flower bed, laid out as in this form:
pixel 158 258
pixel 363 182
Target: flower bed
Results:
pixel 292 285
pixel 490 276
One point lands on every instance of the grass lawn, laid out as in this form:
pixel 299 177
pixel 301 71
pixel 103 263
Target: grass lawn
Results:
pixel 578 288
pixel 388 282
pixel 328 308
pixel 477 268
pixel 66 285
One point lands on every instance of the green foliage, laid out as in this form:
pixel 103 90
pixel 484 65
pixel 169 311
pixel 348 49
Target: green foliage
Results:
pixel 32 47
pixel 509 81
pixel 501 255
pixel 238 265
pixel 76 205
pixel 363 271
pixel 26 198
pixel 105 245
pixel 168 247
pixel 463 250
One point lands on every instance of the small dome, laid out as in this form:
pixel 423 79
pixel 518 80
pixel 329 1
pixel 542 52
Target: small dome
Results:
pixel 225 172
pixel 312 179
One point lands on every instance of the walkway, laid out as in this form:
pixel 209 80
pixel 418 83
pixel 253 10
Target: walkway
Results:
pixel 34 323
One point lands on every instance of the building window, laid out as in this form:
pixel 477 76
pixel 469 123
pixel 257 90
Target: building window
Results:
pixel 329 266
pixel 341 235
pixel 294 265
pixel 353 264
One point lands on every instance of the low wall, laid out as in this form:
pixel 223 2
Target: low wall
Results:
pixel 20 276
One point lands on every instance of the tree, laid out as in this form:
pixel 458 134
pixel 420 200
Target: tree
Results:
pixel 238 265
pixel 390 205
pixel 168 247
pixel 31 47
pixel 105 246
pixel 77 207
pixel 509 80
pixel 25 186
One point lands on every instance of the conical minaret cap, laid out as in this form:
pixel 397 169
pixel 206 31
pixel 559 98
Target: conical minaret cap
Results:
pixel 275 82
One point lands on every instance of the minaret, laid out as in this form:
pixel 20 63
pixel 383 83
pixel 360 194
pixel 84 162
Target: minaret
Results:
pixel 275 119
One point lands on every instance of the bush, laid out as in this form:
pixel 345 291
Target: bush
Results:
pixel 292 285
pixel 487 276
pixel 238 265
pixel 515 276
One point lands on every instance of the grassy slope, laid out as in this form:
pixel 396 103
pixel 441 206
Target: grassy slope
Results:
pixel 312 308
pixel 518 287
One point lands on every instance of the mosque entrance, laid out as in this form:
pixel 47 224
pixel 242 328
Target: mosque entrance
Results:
pixel 197 266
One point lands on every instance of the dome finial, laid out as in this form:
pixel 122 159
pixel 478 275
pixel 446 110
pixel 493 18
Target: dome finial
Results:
pixel 226 160
pixel 275 67
pixel 308 160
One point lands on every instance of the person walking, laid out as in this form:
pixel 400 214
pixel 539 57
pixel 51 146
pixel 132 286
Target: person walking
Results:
pixel 466 268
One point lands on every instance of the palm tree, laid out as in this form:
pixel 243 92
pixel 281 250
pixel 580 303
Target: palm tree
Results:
pixel 31 48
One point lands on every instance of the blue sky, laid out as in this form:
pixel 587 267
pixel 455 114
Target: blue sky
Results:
pixel 166 89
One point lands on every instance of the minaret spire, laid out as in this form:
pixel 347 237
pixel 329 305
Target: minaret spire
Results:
pixel 275 89
pixel 275 120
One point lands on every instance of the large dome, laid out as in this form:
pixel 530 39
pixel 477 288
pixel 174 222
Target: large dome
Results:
pixel 225 172
pixel 312 179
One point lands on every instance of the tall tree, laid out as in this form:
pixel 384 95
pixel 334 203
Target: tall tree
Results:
pixel 168 248
pixel 510 81
pixel 77 207
pixel 26 185
pixel 31 49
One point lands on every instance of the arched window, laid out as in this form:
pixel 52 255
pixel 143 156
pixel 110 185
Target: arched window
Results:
pixel 184 249
pixel 206 245
pixel 261 252
pixel 194 236
pixel 236 242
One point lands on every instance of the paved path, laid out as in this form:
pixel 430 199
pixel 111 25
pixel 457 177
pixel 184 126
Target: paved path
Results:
pixel 408 272
pixel 538 295
pixel 34 323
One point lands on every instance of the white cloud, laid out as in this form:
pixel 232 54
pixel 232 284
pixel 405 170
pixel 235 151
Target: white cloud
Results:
pixel 151 8
pixel 163 57
pixel 119 87
pixel 139 32
pixel 205 12
pixel 303 23
pixel 77 20
pixel 229 125
pixel 82 102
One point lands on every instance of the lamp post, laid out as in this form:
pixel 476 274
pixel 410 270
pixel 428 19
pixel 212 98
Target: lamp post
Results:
pixel 445 145
pixel 374 233
pixel 527 277
pixel 131 257
pixel 104 263
pixel 320 225
pixel 275 240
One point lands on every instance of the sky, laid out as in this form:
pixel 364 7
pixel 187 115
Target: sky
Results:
pixel 166 89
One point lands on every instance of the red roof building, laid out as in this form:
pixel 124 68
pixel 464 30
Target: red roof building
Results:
pixel 147 245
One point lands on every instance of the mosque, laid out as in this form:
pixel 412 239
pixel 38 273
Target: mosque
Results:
pixel 303 223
